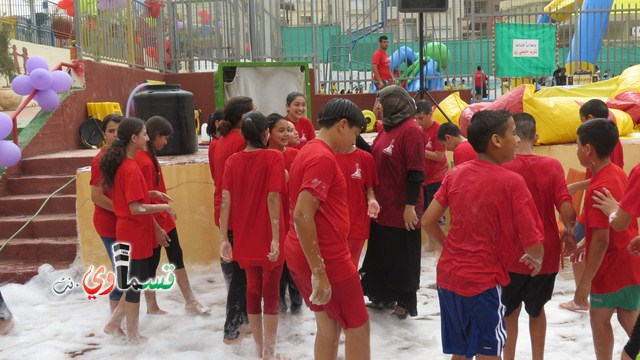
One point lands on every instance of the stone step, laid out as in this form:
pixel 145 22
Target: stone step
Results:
pixel 64 163
pixel 27 205
pixel 19 272
pixel 62 249
pixel 40 184
pixel 42 226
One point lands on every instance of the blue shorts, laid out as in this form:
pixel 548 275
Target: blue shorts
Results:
pixel 472 325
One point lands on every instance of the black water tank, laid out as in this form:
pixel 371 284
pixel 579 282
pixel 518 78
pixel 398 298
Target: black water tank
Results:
pixel 175 105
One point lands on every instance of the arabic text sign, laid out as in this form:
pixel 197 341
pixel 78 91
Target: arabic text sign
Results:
pixel 525 48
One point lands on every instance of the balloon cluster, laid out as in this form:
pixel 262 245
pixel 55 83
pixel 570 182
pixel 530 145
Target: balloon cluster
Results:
pixel 205 17
pixel 9 152
pixel 66 5
pixel 47 84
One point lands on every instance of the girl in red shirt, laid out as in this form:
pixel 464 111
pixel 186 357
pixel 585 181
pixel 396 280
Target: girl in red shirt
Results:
pixel 252 183
pixel 135 224
pixel 296 111
pixel 159 130
pixel 294 137
pixel 231 142
pixel 104 220
pixel 279 138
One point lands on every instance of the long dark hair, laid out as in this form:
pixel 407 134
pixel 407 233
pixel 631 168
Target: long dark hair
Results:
pixel 253 126
pixel 218 114
pixel 157 126
pixel 233 111
pixel 115 154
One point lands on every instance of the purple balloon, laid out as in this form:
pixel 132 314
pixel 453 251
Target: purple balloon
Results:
pixel 6 125
pixel 36 62
pixel 21 86
pixel 47 99
pixel 61 81
pixel 9 153
pixel 180 25
pixel 40 79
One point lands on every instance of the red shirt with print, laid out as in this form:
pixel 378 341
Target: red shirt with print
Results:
pixel 316 170
pixel 359 171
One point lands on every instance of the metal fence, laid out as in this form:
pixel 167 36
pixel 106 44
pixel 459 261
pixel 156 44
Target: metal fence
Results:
pixel 337 37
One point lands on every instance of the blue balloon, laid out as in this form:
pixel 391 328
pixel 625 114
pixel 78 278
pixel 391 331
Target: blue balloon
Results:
pixel 36 62
pixel 6 125
pixel 10 153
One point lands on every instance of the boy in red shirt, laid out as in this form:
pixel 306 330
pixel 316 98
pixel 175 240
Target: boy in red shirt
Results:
pixel 621 216
pixel 435 164
pixel 380 65
pixel 486 229
pixel 359 171
pixel 611 277
pixel 450 136
pixel 316 249
pixel 545 179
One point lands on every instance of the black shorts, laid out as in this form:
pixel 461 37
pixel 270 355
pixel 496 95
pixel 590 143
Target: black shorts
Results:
pixel 533 291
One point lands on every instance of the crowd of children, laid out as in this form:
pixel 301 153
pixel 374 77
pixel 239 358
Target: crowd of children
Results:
pixel 295 209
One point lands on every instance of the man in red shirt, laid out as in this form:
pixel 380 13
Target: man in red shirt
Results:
pixel 380 65
pixel 545 179
pixel 316 250
pixel 450 136
pixel 481 80
pixel 487 227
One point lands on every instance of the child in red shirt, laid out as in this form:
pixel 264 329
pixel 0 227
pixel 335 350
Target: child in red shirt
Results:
pixel 135 224
pixel 159 130
pixel 450 136
pixel 546 183
pixel 279 137
pixel 359 170
pixel 252 183
pixel 621 216
pixel 317 251
pixel 611 277
pixel 296 111
pixel 231 142
pixel 486 229
pixel 104 220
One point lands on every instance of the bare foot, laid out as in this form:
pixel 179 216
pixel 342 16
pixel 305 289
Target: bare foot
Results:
pixel 194 308
pixel 245 329
pixel 136 339
pixel 233 341
pixel 114 330
pixel 156 311
pixel 6 325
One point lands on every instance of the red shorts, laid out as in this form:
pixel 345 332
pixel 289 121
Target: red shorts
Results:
pixel 347 301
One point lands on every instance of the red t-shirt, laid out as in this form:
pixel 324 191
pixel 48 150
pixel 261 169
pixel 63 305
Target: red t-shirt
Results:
pixel 619 268
pixel 250 176
pixel 631 199
pixel 381 59
pixel 464 152
pixel 545 179
pixel 212 150
pixel 479 78
pixel 492 212
pixel 305 130
pixel 434 171
pixel 103 220
pixel 289 155
pixel 228 145
pixel 155 181
pixel 359 171
pixel 137 230
pixel 316 170
pixel 396 152
pixel 617 157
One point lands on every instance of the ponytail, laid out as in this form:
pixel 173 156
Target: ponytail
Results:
pixel 233 111
pixel 254 125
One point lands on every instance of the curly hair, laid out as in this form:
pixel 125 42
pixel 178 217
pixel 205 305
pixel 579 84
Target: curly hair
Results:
pixel 112 159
